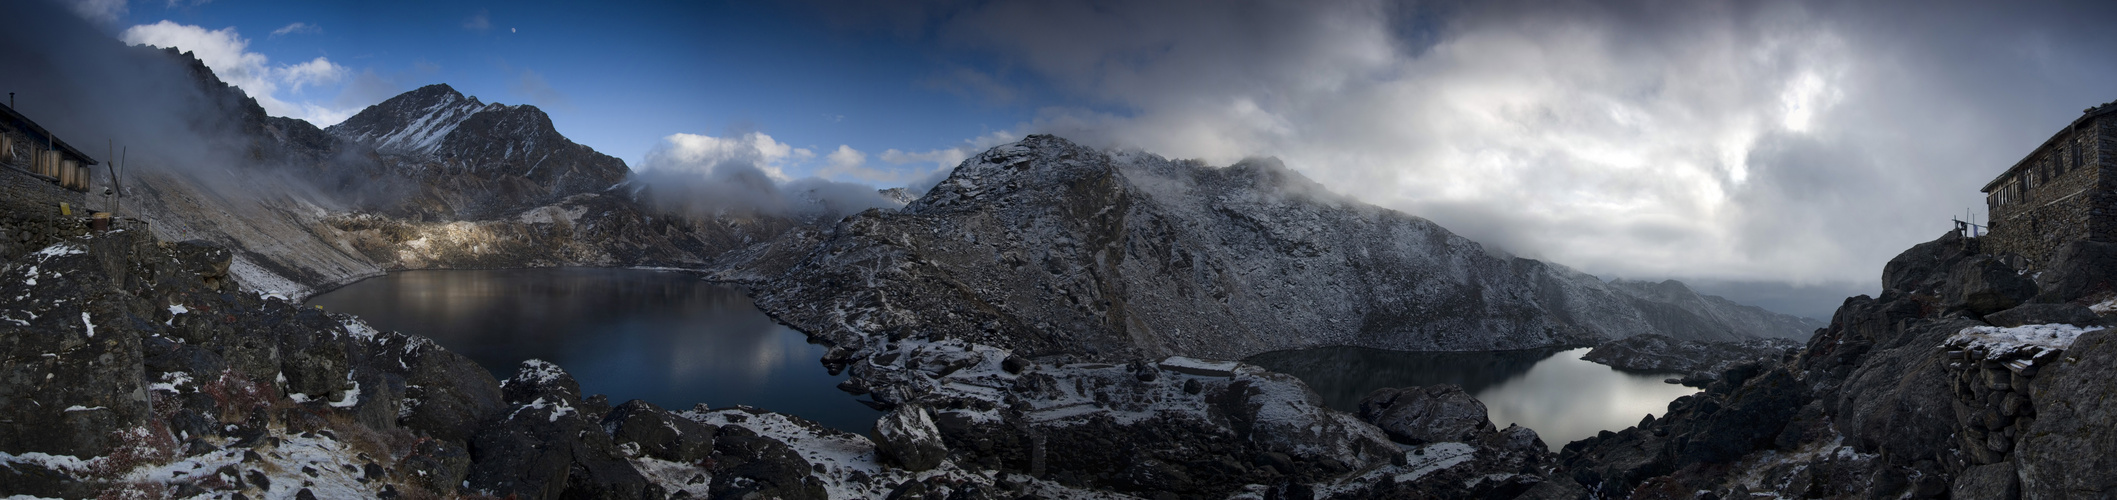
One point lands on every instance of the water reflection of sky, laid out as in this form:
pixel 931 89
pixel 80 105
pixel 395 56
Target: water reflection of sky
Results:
pixel 668 338
pixel 1561 396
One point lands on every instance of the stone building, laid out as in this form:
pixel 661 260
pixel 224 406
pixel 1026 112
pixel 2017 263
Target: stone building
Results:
pixel 26 148
pixel 2064 190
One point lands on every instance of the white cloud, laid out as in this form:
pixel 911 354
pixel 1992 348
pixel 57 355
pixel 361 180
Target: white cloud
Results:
pixel 948 158
pixel 704 154
pixel 297 28
pixel 100 11
pixel 1774 141
pixel 847 157
pixel 227 53
pixel 711 175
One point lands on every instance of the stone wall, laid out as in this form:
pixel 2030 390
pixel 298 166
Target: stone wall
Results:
pixel 2061 192
pixel 29 213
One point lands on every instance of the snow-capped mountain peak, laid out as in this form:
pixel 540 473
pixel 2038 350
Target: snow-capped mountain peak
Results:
pixel 413 123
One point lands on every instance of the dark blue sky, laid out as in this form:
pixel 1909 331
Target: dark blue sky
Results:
pixel 620 77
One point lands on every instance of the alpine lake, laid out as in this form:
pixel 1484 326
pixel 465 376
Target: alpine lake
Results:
pixel 675 340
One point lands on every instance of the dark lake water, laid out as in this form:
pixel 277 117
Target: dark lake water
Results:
pixel 1561 396
pixel 665 337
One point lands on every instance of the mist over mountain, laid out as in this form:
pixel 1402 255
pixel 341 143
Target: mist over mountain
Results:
pixel 1046 247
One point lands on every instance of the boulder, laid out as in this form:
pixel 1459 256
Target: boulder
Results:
pixel 2065 452
pixel 908 437
pixel 1995 481
pixel 1984 285
pixel 2080 269
pixel 659 433
pixel 1419 415
pixel 545 446
pixel 2044 314
pixel 1923 267
pixel 746 465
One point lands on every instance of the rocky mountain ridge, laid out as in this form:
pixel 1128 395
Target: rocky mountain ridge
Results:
pixel 1047 247
pixel 1963 379
pixel 471 160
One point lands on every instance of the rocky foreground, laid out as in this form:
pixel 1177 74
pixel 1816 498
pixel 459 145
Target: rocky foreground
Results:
pixel 135 368
pixel 1964 378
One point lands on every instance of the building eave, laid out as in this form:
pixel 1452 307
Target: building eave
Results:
pixel 10 113
pixel 2023 164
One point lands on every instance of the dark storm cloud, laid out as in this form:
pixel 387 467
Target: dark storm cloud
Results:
pixel 1781 142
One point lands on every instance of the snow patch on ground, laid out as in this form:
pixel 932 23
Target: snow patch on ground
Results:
pixel 59 250
pixel 2104 307
pixel 2001 342
pixel 255 278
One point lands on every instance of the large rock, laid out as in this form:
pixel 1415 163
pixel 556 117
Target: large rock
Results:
pixel 908 437
pixel 2044 314
pixel 550 445
pixel 2068 450
pixel 1434 413
pixel 2079 270
pixel 1994 481
pixel 659 433
pixel 1924 267
pixel 1984 285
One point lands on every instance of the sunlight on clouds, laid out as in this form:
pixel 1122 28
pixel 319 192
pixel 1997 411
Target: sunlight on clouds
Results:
pixel 227 53
pixel 1619 142
pixel 705 154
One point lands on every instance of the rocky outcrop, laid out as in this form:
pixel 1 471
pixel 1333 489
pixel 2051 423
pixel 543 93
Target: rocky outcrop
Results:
pixel 1699 362
pixel 907 436
pixel 1947 383
pixel 1420 415
pixel 1046 247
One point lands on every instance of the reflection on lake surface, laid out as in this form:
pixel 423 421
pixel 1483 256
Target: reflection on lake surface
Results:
pixel 1561 396
pixel 668 338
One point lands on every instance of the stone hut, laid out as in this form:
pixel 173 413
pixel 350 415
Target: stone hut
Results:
pixel 2062 191
pixel 26 148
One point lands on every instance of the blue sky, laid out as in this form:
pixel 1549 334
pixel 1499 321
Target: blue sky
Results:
pixel 1797 143
pixel 621 77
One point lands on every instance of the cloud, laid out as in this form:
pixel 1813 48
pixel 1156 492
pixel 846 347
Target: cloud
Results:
pixel 947 158
pixel 480 22
pixel 709 175
pixel 705 155
pixel 1778 141
pixel 297 29
pixel 104 12
pixel 228 54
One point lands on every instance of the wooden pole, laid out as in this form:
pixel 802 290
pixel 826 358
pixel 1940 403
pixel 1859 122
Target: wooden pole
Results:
pixel 120 181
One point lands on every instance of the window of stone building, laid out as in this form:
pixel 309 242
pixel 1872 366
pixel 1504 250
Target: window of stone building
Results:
pixel 2076 157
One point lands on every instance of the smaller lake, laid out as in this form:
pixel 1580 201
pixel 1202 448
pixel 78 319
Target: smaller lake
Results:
pixel 1553 391
pixel 665 337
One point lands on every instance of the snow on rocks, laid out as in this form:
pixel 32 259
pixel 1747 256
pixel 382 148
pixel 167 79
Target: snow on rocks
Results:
pixel 2021 342
pixel 908 438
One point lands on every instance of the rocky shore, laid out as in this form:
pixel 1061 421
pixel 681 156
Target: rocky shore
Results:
pixel 1964 379
pixel 1699 363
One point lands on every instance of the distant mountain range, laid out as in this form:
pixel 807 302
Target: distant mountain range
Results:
pixel 1043 246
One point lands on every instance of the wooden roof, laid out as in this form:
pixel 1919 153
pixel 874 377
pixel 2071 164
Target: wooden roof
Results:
pixel 8 113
